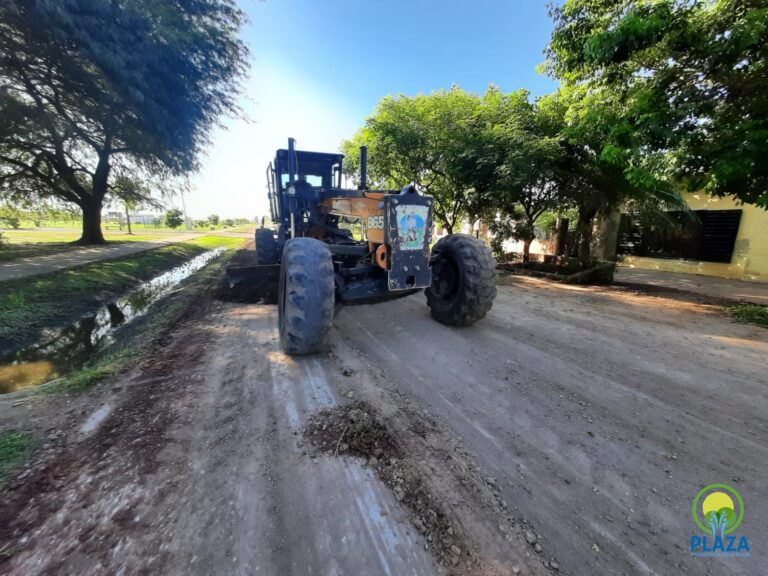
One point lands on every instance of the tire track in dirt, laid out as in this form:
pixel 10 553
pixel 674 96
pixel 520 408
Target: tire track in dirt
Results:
pixel 201 470
pixel 561 400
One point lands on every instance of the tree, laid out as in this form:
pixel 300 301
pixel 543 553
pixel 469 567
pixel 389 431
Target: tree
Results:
pixel 133 193
pixel 686 81
pixel 419 139
pixel 94 85
pixel 591 173
pixel 174 218
pixel 213 219
pixel 524 182
pixel 443 142
pixel 10 216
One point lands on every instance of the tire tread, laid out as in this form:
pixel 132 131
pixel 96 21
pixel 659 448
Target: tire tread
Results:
pixel 477 269
pixel 309 296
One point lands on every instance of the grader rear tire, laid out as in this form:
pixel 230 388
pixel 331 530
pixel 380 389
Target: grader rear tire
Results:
pixel 266 246
pixel 463 280
pixel 306 296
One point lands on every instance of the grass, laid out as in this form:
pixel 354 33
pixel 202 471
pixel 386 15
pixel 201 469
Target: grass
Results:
pixel 27 306
pixel 749 314
pixel 47 236
pixel 214 241
pixel 16 251
pixel 41 242
pixel 15 447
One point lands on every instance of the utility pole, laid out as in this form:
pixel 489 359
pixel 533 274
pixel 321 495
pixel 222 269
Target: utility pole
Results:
pixel 184 208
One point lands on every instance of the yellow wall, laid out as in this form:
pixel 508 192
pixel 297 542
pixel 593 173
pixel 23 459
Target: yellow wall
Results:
pixel 750 253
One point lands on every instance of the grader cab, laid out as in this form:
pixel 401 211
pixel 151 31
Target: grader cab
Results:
pixel 315 260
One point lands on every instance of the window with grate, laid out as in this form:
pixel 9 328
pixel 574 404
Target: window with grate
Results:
pixel 704 235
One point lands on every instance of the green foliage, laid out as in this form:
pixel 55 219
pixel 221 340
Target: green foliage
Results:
pixel 134 193
pixel 93 89
pixel 504 158
pixel 529 154
pixel 750 314
pixel 174 218
pixel 455 145
pixel 10 216
pixel 12 221
pixel 502 228
pixel 684 84
pixel 427 140
pixel 213 219
pixel 15 447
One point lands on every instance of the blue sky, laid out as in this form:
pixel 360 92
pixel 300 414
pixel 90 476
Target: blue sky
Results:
pixel 318 68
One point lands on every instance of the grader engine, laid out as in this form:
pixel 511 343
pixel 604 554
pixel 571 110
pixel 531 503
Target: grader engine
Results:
pixel 316 262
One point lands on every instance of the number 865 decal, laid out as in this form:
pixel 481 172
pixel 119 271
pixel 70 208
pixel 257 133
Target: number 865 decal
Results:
pixel 375 221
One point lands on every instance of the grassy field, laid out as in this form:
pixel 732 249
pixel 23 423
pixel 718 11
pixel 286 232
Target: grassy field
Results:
pixel 28 306
pixel 44 236
pixel 74 226
pixel 30 242
pixel 43 241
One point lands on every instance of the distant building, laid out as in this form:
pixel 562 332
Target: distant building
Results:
pixel 117 218
pixel 146 219
pixel 723 239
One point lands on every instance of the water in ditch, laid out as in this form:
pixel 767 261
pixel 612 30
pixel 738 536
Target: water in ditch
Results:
pixel 61 351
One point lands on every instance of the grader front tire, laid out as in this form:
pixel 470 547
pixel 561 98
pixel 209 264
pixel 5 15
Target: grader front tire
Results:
pixel 463 280
pixel 306 296
pixel 266 247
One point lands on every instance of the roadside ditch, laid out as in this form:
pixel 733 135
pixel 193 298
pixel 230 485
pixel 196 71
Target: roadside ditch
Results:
pixel 98 308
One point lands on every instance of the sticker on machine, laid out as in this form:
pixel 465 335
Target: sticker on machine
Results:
pixel 411 226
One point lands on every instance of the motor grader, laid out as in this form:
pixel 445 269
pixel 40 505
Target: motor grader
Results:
pixel 315 261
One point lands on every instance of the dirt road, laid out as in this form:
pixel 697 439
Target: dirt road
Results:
pixel 565 433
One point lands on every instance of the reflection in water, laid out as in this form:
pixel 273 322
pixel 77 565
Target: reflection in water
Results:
pixel 61 351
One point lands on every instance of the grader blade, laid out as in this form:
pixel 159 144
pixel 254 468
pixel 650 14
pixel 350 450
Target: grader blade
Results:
pixel 254 283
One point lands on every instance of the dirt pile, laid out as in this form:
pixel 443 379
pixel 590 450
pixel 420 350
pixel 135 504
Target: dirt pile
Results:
pixel 357 430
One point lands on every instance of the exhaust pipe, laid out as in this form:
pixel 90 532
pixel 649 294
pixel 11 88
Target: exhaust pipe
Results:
pixel 291 159
pixel 363 167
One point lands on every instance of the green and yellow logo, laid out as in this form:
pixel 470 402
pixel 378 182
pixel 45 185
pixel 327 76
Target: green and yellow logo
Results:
pixel 718 510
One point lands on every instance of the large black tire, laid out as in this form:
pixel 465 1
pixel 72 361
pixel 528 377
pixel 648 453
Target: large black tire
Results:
pixel 306 296
pixel 266 246
pixel 463 280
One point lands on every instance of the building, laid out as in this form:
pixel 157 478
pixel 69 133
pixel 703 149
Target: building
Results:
pixel 724 239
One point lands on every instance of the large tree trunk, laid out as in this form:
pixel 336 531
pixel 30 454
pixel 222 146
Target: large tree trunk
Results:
pixel 527 250
pixel 609 222
pixel 92 233
pixel 586 216
pixel 93 203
